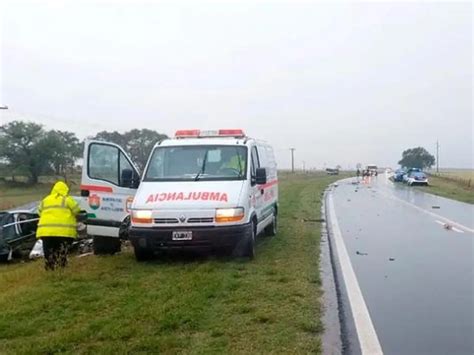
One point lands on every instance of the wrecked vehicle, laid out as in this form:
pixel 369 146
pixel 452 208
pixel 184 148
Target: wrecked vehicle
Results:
pixel 17 233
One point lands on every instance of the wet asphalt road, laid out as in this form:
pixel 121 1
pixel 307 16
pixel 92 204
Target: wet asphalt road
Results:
pixel 422 301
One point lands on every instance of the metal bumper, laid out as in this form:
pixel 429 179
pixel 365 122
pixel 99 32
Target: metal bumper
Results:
pixel 204 238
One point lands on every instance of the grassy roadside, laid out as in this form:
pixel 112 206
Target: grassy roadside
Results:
pixel 17 194
pixel 450 189
pixel 197 305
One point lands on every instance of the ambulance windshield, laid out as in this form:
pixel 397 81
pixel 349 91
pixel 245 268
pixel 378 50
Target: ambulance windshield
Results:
pixel 197 162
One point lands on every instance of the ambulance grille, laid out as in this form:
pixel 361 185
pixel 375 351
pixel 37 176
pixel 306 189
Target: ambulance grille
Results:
pixel 166 220
pixel 201 220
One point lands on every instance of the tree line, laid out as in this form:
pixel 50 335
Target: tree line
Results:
pixel 28 149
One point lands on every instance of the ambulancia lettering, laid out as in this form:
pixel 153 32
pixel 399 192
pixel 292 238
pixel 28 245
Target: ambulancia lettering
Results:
pixel 187 196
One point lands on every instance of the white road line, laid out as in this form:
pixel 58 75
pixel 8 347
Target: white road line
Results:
pixel 453 228
pixel 458 226
pixel 366 334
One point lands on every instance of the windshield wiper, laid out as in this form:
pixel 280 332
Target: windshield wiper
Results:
pixel 198 175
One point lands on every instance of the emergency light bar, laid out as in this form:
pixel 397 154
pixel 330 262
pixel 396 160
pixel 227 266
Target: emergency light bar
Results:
pixel 196 133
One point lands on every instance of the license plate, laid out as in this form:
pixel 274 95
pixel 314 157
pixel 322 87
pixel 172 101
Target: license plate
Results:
pixel 179 235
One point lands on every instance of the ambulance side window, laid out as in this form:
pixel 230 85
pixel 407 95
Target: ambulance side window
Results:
pixel 262 154
pixel 255 164
pixel 103 163
pixel 128 175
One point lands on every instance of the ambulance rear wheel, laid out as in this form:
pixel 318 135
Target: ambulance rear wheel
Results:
pixel 106 245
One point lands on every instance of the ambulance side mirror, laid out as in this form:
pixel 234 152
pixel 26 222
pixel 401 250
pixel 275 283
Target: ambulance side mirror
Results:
pixel 129 179
pixel 261 176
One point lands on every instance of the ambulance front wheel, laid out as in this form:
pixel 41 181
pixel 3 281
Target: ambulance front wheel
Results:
pixel 106 245
pixel 272 229
pixel 142 254
pixel 249 248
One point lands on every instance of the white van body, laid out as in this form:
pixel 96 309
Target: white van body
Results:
pixel 199 190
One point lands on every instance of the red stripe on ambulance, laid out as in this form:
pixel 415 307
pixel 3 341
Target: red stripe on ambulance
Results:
pixel 187 196
pixel 269 184
pixel 97 188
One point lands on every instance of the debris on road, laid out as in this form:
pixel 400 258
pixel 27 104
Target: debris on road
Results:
pixel 436 207
pixel 37 251
pixel 360 253
pixel 391 259
pixel 447 226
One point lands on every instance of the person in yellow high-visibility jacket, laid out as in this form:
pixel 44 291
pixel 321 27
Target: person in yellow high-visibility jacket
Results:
pixel 57 226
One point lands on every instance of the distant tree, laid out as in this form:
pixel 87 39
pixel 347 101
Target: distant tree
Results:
pixel 20 146
pixel 417 157
pixel 27 147
pixel 137 142
pixel 113 137
pixel 140 143
pixel 64 149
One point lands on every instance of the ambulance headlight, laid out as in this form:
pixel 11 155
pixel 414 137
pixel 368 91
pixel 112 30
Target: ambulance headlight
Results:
pixel 142 216
pixel 229 214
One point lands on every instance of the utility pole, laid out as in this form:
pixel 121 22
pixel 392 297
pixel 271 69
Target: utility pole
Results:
pixel 292 160
pixel 304 166
pixel 437 156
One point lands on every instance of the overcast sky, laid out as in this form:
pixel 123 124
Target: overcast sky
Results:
pixel 342 83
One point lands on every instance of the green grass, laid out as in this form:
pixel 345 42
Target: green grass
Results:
pixel 188 305
pixel 465 174
pixel 449 188
pixel 14 194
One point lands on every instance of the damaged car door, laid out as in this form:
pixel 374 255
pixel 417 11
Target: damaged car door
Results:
pixel 17 233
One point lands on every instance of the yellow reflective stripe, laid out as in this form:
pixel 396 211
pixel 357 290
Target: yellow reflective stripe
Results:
pixel 54 206
pixel 57 225
pixel 62 205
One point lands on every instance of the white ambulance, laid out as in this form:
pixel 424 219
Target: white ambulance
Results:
pixel 200 190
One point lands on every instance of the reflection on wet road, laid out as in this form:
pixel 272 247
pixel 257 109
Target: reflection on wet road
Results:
pixel 415 275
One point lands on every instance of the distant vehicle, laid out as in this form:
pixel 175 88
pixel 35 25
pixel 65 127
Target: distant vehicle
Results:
pixel 411 170
pixel 331 171
pixel 372 170
pixel 398 175
pixel 408 172
pixel 417 178
pixel 17 233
